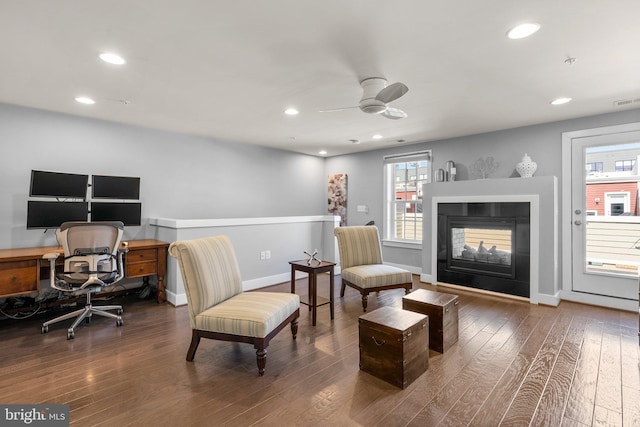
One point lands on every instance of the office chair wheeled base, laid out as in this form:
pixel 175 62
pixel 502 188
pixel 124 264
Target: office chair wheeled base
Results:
pixel 85 314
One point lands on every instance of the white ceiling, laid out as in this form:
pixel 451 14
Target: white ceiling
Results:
pixel 228 69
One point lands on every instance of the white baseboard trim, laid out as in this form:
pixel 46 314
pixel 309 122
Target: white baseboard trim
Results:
pixel 552 300
pixel 411 268
pixel 261 282
pixel 428 278
pixel 247 285
pixel 176 299
pixel 600 300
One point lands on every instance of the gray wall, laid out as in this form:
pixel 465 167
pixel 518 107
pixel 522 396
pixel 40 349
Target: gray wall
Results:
pixel 542 142
pixel 182 176
pixel 187 176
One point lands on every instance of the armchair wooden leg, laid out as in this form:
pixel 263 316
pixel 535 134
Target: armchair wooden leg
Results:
pixel 261 357
pixel 364 301
pixel 294 328
pixel 195 340
pixel 344 285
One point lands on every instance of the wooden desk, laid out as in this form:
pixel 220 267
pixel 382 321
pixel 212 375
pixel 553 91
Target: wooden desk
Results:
pixel 313 269
pixel 21 269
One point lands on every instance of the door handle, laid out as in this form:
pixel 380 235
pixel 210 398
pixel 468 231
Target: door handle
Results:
pixel 577 222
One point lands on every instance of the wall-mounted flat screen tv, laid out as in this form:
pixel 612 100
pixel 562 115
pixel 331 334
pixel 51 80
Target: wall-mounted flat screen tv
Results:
pixel 128 213
pixel 115 187
pixel 58 184
pixel 51 214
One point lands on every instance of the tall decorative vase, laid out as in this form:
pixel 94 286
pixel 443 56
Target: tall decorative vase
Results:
pixel 527 167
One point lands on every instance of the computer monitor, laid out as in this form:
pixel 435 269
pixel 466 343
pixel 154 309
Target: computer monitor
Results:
pixel 128 213
pixel 58 184
pixel 115 187
pixel 42 214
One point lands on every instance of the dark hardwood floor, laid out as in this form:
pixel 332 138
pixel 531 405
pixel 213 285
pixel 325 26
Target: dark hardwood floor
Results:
pixel 515 364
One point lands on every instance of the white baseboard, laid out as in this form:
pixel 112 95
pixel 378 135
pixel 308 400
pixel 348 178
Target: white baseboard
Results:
pixel 247 285
pixel 411 268
pixel 428 278
pixel 600 300
pixel 176 299
pixel 552 300
pixel 261 282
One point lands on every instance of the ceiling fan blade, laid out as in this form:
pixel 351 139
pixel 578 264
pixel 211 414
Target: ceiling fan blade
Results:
pixel 394 113
pixel 392 92
pixel 331 110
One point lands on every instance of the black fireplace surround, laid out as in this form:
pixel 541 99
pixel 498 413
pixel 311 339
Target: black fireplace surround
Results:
pixel 491 269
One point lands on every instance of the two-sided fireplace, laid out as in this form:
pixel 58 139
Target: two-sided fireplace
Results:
pixel 485 246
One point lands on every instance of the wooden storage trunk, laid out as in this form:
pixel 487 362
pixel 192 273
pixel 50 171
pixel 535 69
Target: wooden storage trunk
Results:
pixel 442 310
pixel 394 345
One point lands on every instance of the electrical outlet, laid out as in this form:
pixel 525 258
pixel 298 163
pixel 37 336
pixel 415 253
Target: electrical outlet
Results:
pixel 262 256
pixel 267 254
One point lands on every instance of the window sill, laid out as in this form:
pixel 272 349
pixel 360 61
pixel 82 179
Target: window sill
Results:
pixel 402 244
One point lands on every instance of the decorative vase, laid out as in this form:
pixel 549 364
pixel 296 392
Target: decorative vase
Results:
pixel 527 167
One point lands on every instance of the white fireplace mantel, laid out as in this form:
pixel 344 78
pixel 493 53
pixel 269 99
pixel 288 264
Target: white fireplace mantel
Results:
pixel 540 192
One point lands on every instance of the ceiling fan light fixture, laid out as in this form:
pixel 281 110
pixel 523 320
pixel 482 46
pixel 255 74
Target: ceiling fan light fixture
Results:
pixel 112 58
pixel 372 106
pixel 85 100
pixel 394 113
pixel 523 30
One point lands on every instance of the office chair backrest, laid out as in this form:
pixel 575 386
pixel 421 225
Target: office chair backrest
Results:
pixel 358 245
pixel 80 238
pixel 90 248
pixel 209 269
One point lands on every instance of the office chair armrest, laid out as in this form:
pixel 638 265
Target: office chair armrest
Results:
pixel 52 256
pixel 119 261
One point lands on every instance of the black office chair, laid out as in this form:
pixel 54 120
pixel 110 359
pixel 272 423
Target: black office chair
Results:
pixel 92 260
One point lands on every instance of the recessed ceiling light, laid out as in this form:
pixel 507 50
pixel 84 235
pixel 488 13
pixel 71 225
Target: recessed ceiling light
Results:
pixel 291 112
pixel 322 152
pixel 377 136
pixel 560 101
pixel 85 100
pixel 112 58
pixel 354 141
pixel 523 30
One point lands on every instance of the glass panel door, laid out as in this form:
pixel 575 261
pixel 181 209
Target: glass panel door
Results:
pixel 606 215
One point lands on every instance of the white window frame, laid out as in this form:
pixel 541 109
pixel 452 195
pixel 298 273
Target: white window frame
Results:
pixel 616 197
pixel 390 182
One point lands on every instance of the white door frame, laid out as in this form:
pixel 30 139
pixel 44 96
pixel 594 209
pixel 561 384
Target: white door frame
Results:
pixel 567 218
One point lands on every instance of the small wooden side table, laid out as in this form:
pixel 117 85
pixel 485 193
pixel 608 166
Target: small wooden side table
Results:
pixel 313 268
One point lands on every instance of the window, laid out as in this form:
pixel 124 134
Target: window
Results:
pixel 404 176
pixel 624 165
pixel 594 167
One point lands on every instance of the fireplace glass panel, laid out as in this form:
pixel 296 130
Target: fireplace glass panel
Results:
pixel 484 245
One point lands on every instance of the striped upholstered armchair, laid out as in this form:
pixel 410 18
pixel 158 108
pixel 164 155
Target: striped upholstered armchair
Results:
pixel 219 309
pixel 361 263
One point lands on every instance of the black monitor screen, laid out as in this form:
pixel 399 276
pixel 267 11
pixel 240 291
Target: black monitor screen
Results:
pixel 57 184
pixel 115 187
pixel 128 213
pixel 52 214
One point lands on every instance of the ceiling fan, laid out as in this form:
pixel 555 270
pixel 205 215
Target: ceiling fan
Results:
pixel 376 96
